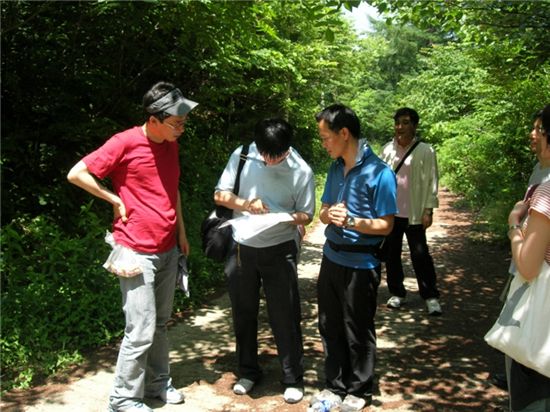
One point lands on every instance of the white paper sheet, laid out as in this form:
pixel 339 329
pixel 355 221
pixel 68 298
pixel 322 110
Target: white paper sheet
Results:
pixel 248 226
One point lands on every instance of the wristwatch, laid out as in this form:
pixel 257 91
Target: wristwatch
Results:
pixel 350 221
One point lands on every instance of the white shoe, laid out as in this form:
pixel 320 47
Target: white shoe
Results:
pixel 395 302
pixel 243 386
pixel 434 308
pixel 171 395
pixel 293 395
pixel 137 407
pixel 353 403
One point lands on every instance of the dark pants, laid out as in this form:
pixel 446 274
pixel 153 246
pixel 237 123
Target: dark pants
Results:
pixel 347 305
pixel 274 268
pixel 528 390
pixel 420 256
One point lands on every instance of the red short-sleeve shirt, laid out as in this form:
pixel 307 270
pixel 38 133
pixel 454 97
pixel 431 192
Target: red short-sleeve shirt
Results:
pixel 145 176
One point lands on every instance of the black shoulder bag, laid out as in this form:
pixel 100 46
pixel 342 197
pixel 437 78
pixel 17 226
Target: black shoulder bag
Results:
pixel 216 242
pixel 383 252
pixel 405 157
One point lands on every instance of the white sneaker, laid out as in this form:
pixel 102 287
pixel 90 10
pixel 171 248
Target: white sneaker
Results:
pixel 395 302
pixel 243 386
pixel 137 407
pixel 172 395
pixel 293 395
pixel 353 403
pixel 434 308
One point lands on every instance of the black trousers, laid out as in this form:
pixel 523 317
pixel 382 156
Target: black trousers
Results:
pixel 275 269
pixel 420 256
pixel 347 305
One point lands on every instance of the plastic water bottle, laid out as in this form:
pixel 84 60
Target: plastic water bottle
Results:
pixel 324 405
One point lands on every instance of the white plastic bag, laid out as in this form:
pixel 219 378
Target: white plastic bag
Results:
pixel 182 279
pixel 122 261
pixel 522 330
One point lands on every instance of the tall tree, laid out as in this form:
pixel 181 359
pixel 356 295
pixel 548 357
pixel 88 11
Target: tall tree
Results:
pixel 503 31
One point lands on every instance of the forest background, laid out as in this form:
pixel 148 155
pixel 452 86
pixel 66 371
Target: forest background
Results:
pixel 74 73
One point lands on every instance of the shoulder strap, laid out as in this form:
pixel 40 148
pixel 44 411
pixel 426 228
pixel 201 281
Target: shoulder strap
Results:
pixel 243 157
pixel 405 157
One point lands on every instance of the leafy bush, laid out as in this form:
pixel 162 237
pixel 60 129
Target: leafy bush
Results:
pixel 56 297
pixel 479 125
pixel 57 300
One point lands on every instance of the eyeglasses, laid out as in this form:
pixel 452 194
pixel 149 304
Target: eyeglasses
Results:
pixel 178 126
pixel 538 129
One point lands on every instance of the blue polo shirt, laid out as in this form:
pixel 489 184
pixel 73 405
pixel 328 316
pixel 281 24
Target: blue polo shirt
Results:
pixel 369 191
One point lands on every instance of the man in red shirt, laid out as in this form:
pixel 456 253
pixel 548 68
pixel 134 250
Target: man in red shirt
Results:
pixel 148 228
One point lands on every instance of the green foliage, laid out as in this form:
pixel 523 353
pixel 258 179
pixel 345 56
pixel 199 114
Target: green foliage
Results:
pixel 480 126
pixel 73 74
pixel 56 297
pixel 377 65
pixel 476 86
pixel 445 90
pixel 499 29
pixel 245 61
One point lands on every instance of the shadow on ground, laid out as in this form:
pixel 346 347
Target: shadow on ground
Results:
pixel 443 363
pixel 424 363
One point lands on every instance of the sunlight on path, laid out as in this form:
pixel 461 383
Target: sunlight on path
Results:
pixel 424 363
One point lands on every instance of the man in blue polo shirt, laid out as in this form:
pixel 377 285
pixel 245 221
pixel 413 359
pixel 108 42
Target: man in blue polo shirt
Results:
pixel 358 206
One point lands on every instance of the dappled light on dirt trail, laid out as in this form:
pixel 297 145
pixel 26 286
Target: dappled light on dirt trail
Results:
pixel 442 363
pixel 424 363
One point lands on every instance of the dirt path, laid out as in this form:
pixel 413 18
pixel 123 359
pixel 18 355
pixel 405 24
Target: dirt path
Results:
pixel 424 363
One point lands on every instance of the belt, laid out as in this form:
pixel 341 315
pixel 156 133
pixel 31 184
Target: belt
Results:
pixel 370 249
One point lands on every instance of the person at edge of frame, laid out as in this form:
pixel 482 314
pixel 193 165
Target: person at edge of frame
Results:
pixel 529 234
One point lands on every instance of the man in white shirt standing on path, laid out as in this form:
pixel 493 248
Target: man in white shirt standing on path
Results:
pixel 417 185
pixel 274 179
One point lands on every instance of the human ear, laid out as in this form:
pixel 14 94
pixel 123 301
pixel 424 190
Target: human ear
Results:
pixel 344 132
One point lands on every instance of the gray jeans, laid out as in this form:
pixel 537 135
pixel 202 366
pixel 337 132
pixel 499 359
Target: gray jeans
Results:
pixel 143 366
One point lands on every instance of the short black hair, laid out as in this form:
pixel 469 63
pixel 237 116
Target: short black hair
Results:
pixel 338 116
pixel 273 136
pixel 156 92
pixel 407 111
